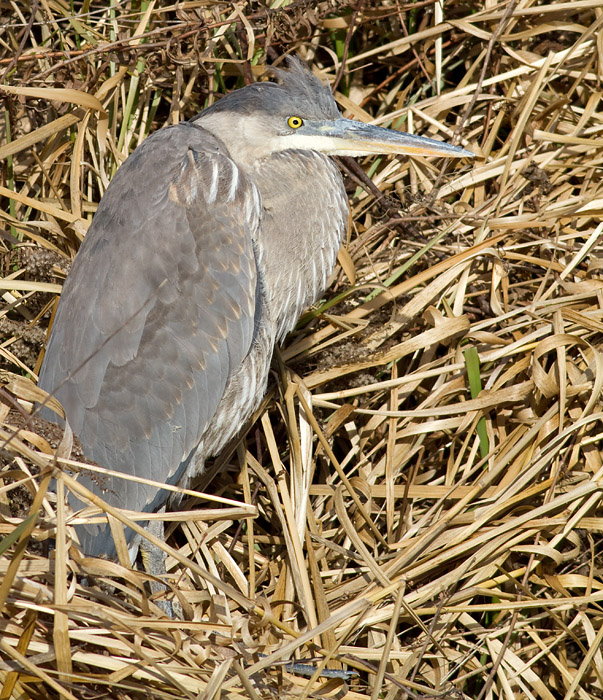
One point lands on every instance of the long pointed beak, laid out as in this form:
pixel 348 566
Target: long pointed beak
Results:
pixel 351 138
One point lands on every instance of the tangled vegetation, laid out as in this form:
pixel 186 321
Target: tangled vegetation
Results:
pixel 419 499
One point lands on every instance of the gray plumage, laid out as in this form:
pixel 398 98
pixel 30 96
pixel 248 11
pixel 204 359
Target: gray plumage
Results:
pixel 209 242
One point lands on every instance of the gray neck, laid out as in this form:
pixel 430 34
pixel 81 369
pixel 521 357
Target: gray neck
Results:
pixel 305 213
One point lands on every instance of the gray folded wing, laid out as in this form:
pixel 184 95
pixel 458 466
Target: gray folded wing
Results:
pixel 156 314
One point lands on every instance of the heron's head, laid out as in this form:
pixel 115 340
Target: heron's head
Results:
pixel 300 113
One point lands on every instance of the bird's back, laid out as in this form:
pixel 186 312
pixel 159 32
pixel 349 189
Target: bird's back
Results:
pixel 157 313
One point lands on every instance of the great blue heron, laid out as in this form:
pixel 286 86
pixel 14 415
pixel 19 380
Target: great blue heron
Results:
pixel 209 242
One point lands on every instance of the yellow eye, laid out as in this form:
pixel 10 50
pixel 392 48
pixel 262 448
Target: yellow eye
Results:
pixel 295 122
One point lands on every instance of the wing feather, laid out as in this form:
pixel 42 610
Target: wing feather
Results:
pixel 156 314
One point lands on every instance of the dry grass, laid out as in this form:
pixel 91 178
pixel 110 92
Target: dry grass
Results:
pixel 419 499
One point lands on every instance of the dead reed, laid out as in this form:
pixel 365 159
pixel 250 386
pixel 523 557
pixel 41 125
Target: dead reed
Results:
pixel 419 498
